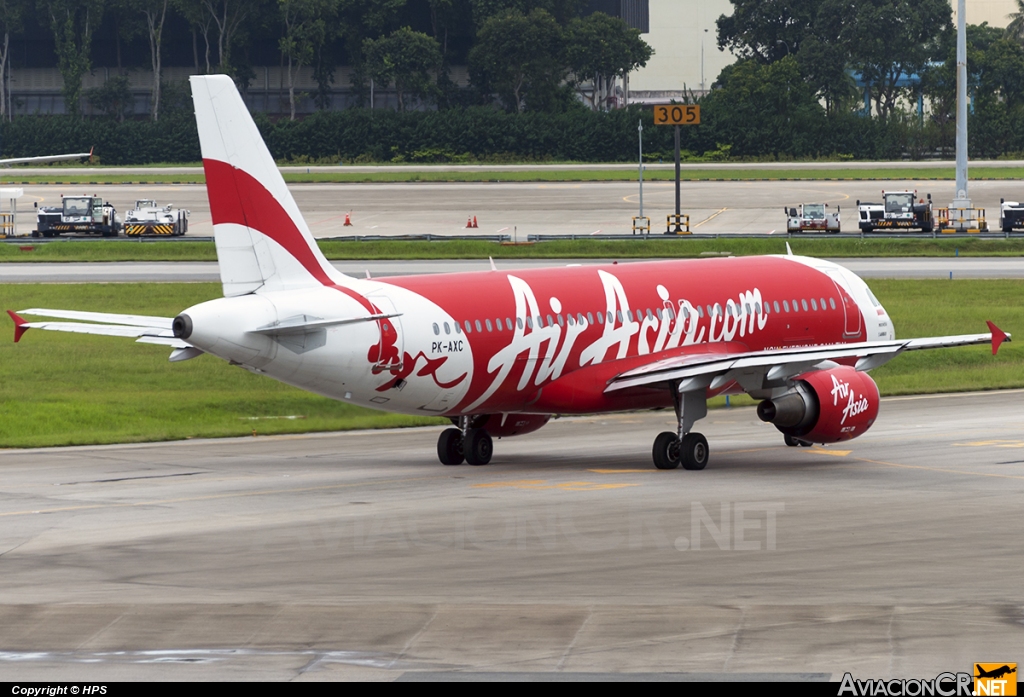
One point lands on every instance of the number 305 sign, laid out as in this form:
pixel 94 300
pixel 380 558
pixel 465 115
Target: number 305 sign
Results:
pixel 677 115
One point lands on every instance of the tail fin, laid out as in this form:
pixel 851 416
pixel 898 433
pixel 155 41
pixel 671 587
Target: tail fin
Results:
pixel 262 241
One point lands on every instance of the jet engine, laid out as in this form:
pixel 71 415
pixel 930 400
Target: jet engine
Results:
pixel 825 406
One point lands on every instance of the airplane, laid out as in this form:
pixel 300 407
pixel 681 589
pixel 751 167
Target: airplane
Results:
pixel 42 159
pixel 500 352
pixel 996 673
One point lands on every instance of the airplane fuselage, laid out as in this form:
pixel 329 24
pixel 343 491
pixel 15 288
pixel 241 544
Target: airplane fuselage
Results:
pixel 536 341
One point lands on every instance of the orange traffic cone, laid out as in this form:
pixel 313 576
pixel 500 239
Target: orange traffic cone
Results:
pixel 469 222
pixel 348 219
pixel 475 224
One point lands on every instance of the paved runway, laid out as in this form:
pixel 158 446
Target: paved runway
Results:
pixel 358 556
pixel 580 208
pixel 189 272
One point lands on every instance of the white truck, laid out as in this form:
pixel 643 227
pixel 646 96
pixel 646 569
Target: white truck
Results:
pixel 81 214
pixel 812 217
pixel 900 210
pixel 1011 215
pixel 147 218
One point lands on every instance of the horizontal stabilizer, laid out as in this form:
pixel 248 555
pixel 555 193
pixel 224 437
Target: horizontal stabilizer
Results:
pixel 104 317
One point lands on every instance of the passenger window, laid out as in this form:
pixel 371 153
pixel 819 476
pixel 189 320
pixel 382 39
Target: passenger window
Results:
pixel 700 310
pixel 659 313
pixel 458 329
pixel 718 309
pixel 785 305
pixel 822 304
pixel 579 318
pixel 757 308
pixel 570 319
pixel 447 329
pixel 519 321
pixel 478 327
pixel 814 305
pixel 796 306
pixel 611 317
pixel 629 315
pixel 529 322
pixel 508 323
pixel 832 303
pixel 561 323
pixel 551 322
pixel 488 323
pixel 600 318
pixel 469 327
pixel 686 312
pixel 776 304
pixel 803 303
pixel 437 330
pixel 590 318
pixel 747 305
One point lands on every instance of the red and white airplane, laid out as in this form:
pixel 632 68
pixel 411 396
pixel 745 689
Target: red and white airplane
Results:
pixel 500 352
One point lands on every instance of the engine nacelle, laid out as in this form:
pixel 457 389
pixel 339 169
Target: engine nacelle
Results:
pixel 826 406
pixel 508 425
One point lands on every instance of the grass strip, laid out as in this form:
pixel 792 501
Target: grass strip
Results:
pixel 656 247
pixel 62 389
pixel 541 175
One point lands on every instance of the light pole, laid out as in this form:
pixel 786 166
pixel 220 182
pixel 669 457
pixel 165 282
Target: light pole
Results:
pixel 702 36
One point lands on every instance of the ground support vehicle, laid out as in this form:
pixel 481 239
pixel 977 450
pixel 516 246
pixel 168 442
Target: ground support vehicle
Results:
pixel 900 210
pixel 82 214
pixel 812 217
pixel 1011 215
pixel 149 219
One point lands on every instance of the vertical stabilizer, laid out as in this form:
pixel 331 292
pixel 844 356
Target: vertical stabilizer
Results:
pixel 263 243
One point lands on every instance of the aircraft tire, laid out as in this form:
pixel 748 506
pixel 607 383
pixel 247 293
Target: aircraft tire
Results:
pixel 666 451
pixel 478 446
pixel 449 447
pixel 694 452
pixel 790 441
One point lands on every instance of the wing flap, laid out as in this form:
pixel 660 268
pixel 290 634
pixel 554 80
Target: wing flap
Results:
pixel 303 324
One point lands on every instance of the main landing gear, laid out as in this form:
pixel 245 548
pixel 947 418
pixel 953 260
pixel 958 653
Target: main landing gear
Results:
pixel 795 442
pixel 685 448
pixel 472 445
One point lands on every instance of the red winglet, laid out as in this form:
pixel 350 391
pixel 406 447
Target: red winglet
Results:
pixel 998 337
pixel 19 326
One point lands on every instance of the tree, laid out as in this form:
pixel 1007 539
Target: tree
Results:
pixel 600 48
pixel 114 98
pixel 520 56
pixel 1015 29
pixel 155 12
pixel 200 21
pixel 562 10
pixel 305 25
pixel 766 30
pixel 227 16
pixel 890 40
pixel 361 20
pixel 73 23
pixel 11 13
pixel 765 109
pixel 407 58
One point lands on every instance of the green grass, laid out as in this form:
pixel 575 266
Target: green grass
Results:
pixel 638 248
pixel 582 174
pixel 63 389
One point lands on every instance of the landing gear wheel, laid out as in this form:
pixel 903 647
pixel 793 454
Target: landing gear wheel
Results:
pixel 666 451
pixel 449 447
pixel 796 442
pixel 478 446
pixel 694 452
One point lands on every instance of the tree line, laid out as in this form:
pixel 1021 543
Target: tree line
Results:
pixel 530 54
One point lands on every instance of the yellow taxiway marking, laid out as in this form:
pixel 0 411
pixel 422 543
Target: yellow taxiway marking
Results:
pixel 993 444
pixel 542 484
pixel 823 451
pixel 713 215
pixel 940 469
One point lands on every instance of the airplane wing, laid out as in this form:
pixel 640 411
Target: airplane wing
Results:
pixel 45 158
pixel 146 329
pixel 754 369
